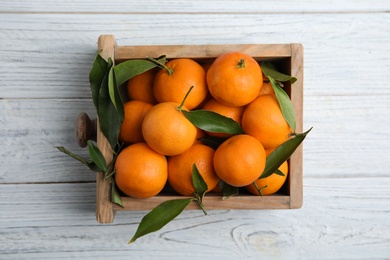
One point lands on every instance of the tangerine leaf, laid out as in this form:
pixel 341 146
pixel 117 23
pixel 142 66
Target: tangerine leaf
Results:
pixel 282 153
pixel 279 172
pixel 160 216
pixel 96 76
pixel 212 141
pixel 97 156
pixel 115 96
pixel 227 190
pixel 90 164
pixel 197 180
pixel 213 122
pixel 200 187
pixel 109 118
pixel 285 104
pixel 270 71
pixel 128 69
pixel 115 197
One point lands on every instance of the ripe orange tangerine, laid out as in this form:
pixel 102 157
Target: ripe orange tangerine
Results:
pixel 180 169
pixel 234 79
pixel 263 119
pixel 140 171
pixel 239 160
pixel 140 87
pixel 234 113
pixel 167 130
pixel 131 128
pixel 172 83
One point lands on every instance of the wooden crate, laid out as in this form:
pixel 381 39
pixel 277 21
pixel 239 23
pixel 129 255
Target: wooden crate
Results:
pixel 288 57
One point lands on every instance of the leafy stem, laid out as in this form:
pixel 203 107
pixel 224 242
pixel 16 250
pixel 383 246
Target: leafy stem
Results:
pixel 180 108
pixel 199 200
pixel 241 64
pixel 161 65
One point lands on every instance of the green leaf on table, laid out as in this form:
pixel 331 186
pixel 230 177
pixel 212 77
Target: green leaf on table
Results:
pixel 285 104
pixel 270 71
pixel 90 164
pixel 96 76
pixel 227 190
pixel 160 216
pixel 213 122
pixel 109 118
pixel 115 197
pixel 282 153
pixel 128 69
pixel 96 156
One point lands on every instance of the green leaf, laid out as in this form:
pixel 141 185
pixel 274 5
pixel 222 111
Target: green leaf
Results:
pixel 115 197
pixel 212 141
pixel 197 180
pixel 285 104
pixel 200 186
pixel 97 156
pixel 115 96
pixel 109 118
pixel 282 153
pixel 279 172
pixel 213 122
pixel 227 190
pixel 96 76
pixel 160 216
pixel 90 164
pixel 128 69
pixel 270 71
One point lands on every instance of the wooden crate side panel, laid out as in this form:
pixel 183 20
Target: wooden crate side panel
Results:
pixel 104 207
pixel 266 51
pixel 211 202
pixel 296 160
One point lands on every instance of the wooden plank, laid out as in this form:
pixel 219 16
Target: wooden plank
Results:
pixel 104 207
pixel 202 6
pixel 267 51
pixel 341 218
pixel 349 139
pixel 40 43
pixel 29 131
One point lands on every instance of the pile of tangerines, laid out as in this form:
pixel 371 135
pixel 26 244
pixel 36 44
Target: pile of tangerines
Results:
pixel 162 145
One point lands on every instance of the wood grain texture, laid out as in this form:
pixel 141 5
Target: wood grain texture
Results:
pixel 340 219
pixel 200 6
pixel 104 207
pixel 29 131
pixel 47 200
pixel 357 43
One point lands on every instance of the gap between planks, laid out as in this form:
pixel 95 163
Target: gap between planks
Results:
pixel 194 13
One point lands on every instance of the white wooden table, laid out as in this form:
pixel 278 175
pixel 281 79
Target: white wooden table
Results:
pixel 47 200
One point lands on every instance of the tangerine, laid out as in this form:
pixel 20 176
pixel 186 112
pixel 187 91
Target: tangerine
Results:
pixel 180 169
pixel 131 128
pixel 166 130
pixel 266 89
pixel 234 79
pixel 239 160
pixel 140 171
pixel 140 87
pixel 263 119
pixel 234 113
pixel 172 83
pixel 270 184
